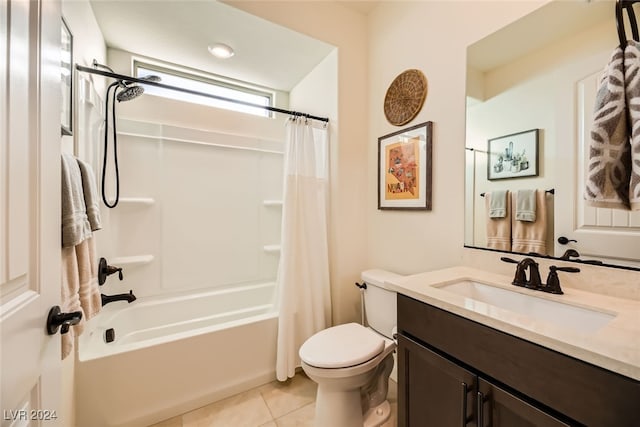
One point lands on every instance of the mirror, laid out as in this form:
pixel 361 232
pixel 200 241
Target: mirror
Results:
pixel 539 75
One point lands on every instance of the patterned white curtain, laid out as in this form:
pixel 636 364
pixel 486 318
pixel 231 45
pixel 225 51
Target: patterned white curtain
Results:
pixel 303 272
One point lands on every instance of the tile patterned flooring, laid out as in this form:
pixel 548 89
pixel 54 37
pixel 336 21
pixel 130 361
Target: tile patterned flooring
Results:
pixel 288 404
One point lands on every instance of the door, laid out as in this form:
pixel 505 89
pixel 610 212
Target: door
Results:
pixel 29 211
pixel 601 233
pixel 498 408
pixel 433 392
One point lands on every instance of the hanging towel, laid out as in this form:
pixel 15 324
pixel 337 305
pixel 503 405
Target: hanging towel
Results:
pixel 531 236
pixel 75 224
pixel 498 204
pixel 632 89
pixel 70 296
pixel 608 171
pixel 499 229
pixel 526 205
pixel 91 198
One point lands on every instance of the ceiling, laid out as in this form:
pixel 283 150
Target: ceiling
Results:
pixel 179 32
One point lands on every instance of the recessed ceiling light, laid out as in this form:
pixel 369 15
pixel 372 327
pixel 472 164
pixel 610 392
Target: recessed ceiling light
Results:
pixel 221 50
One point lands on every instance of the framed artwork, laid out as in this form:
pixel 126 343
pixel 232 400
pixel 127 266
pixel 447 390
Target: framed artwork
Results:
pixel 404 168
pixel 513 156
pixel 66 70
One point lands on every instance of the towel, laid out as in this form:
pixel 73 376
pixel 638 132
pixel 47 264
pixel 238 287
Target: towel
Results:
pixel 608 171
pixel 499 229
pixel 498 204
pixel 526 205
pixel 531 236
pixel 632 90
pixel 75 223
pixel 80 291
pixel 91 198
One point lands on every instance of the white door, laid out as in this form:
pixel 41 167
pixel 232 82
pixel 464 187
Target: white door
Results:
pixel 611 235
pixel 29 211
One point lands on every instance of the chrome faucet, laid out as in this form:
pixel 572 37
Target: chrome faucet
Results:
pixel 106 299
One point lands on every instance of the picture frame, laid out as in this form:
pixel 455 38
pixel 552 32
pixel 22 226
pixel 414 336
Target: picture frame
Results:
pixel 405 168
pixel 513 156
pixel 66 82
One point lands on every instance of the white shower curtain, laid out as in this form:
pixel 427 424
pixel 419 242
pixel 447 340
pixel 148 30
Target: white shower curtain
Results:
pixel 303 272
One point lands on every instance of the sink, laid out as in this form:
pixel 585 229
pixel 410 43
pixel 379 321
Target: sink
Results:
pixel 563 315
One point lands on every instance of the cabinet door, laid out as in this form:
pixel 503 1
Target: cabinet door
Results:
pixel 433 392
pixel 498 408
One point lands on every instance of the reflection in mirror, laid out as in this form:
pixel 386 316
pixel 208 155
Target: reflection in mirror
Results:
pixel 521 79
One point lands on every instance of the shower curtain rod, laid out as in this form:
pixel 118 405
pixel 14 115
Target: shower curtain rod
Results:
pixel 195 92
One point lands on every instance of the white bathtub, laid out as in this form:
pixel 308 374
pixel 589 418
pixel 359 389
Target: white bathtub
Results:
pixel 174 354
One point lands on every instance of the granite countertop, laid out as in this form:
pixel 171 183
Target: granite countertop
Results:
pixel 614 346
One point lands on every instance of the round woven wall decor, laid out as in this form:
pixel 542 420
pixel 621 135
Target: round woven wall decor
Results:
pixel 405 97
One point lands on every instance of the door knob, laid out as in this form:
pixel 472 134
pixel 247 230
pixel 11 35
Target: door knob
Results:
pixel 563 240
pixel 56 319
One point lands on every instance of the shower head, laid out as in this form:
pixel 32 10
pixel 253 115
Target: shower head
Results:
pixel 131 91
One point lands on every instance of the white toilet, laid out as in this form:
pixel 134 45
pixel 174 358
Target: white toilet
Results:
pixel 351 363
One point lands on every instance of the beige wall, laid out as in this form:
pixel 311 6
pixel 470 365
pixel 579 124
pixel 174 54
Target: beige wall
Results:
pixel 432 37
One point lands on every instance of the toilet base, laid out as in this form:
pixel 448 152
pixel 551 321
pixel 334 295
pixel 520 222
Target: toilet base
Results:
pixel 378 415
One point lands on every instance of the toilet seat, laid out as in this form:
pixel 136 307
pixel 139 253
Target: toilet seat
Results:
pixel 341 346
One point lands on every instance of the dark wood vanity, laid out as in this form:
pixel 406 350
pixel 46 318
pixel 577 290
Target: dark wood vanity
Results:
pixel 453 371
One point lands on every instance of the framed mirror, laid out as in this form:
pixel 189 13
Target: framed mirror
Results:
pixel 519 79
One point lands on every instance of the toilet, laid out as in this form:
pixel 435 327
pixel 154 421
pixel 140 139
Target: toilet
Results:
pixel 351 363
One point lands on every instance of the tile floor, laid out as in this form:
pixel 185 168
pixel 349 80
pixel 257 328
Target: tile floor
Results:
pixel 288 404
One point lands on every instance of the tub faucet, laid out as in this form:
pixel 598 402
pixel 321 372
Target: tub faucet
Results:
pixel 106 299
pixel 520 278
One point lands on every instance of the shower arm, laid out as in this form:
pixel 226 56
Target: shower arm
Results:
pixel 129 79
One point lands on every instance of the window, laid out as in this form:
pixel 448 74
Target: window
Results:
pixel 203 84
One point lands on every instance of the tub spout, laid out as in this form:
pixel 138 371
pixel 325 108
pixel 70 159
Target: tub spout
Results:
pixel 106 299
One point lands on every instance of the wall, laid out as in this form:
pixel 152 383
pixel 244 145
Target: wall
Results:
pixel 345 29
pixel 433 36
pixel 88 44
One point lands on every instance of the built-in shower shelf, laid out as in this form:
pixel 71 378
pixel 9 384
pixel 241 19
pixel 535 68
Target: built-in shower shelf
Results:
pixel 143 201
pixel 131 260
pixel 272 249
pixel 272 203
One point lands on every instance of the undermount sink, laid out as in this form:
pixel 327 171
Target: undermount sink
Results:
pixel 563 315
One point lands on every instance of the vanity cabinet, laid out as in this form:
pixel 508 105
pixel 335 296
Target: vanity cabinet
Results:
pixel 456 372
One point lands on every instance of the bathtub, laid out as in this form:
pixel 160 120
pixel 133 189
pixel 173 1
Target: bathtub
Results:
pixel 174 354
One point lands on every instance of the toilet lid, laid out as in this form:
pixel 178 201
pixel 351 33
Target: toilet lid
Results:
pixel 341 346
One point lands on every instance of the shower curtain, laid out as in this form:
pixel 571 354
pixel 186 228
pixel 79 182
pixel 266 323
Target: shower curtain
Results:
pixel 303 271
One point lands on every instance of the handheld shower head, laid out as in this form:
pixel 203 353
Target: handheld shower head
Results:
pixel 131 91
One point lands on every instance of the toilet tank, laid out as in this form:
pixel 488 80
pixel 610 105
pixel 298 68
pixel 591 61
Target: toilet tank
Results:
pixel 379 302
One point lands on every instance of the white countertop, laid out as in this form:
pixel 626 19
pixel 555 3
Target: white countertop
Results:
pixel 614 346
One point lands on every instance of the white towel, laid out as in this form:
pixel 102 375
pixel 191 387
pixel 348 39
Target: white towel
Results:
pixel 608 172
pixel 498 203
pixel 91 198
pixel 632 90
pixel 75 223
pixel 526 205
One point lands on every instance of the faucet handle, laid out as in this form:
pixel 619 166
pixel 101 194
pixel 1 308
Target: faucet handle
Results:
pixel 553 281
pixel 520 278
pixel 509 260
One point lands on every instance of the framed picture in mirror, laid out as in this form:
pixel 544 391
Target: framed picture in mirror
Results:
pixel 404 168
pixel 66 75
pixel 513 156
